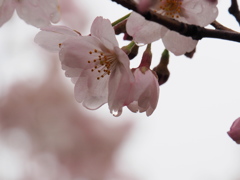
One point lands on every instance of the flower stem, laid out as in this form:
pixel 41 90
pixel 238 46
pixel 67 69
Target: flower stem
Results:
pixel 128 48
pixel 120 20
pixel 147 57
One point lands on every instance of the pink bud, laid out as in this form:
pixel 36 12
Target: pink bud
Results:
pixel 234 132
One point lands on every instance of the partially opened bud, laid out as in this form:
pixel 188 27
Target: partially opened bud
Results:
pixel 161 69
pixel 147 57
pixel 234 132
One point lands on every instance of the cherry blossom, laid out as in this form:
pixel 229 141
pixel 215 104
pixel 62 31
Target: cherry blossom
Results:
pixel 234 132
pixel 38 13
pixel 145 89
pixel 96 64
pixel 197 12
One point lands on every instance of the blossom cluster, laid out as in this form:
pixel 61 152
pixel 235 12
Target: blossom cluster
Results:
pixel 97 65
pixel 100 69
pixel 58 139
pixel 102 73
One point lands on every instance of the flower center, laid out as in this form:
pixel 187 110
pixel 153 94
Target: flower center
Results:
pixel 103 63
pixel 170 8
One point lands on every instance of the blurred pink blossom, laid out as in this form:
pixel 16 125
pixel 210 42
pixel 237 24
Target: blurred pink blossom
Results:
pixel 38 13
pixel 82 146
pixel 73 14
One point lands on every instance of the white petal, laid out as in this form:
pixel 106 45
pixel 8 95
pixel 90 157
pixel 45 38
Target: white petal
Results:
pixel 120 82
pixel 143 31
pixel 38 13
pixel 6 11
pixel 178 44
pixel 201 12
pixel 91 91
pixel 75 52
pixel 51 37
pixel 103 30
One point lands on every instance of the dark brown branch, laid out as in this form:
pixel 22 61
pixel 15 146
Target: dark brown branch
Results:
pixel 219 26
pixel 196 32
pixel 233 9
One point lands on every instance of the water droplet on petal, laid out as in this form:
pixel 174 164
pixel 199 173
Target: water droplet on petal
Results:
pixel 115 113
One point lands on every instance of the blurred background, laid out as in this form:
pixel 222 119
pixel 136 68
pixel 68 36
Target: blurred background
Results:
pixel 45 134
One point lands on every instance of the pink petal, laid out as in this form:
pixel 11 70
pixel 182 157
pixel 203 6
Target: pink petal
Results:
pixel 51 37
pixel 177 43
pixel 145 91
pixel 143 31
pixel 75 52
pixel 200 13
pixel 103 30
pixel 90 91
pixel 120 82
pixel 70 9
pixel 6 11
pixel 38 13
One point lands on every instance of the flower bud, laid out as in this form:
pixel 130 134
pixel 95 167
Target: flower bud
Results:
pixel 161 69
pixel 147 57
pixel 234 132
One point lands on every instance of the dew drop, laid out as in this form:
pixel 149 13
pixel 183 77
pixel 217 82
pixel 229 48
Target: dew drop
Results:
pixel 115 113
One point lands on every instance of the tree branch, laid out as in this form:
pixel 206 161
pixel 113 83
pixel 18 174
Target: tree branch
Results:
pixel 219 26
pixel 196 32
pixel 233 10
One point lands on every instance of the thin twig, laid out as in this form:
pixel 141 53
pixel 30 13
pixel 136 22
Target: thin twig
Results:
pixel 219 26
pixel 233 9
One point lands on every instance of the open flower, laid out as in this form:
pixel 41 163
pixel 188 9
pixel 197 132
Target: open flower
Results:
pixel 234 132
pixel 38 13
pixel 95 63
pixel 145 89
pixel 197 12
pixel 98 67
